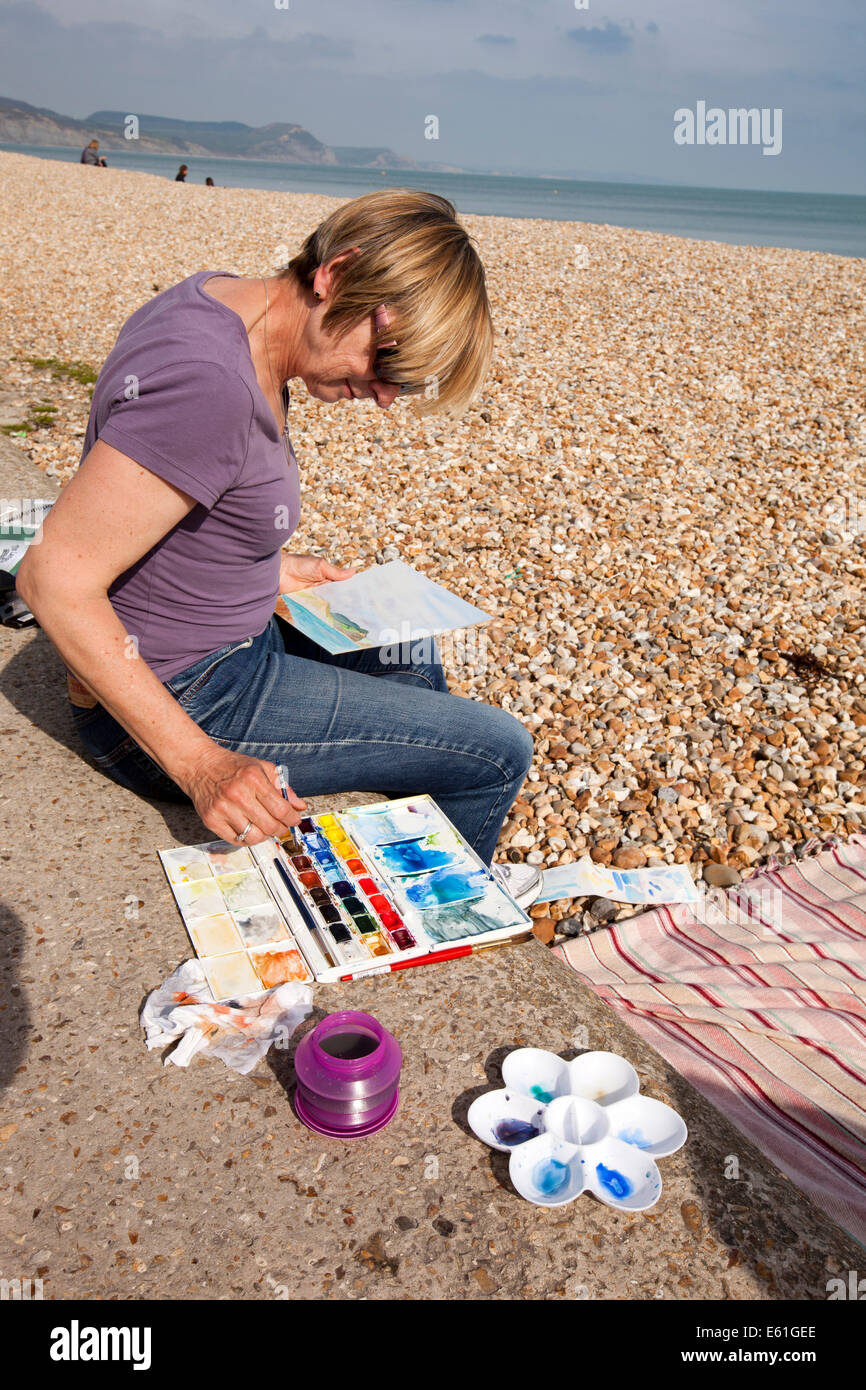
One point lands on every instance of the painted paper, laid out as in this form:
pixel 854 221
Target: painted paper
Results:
pixel 384 606
pixel 665 883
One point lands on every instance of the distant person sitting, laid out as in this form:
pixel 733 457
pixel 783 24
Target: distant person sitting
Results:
pixel 210 183
pixel 90 155
pixel 180 176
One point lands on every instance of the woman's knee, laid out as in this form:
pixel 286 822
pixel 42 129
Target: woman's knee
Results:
pixel 512 743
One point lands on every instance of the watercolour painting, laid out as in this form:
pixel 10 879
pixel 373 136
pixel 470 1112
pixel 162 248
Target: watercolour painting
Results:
pixel 384 606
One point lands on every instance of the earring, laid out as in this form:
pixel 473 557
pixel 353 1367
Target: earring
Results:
pixel 316 293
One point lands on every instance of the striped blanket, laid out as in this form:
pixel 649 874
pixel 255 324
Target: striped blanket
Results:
pixel 758 997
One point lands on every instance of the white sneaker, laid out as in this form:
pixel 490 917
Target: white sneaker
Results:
pixel 522 881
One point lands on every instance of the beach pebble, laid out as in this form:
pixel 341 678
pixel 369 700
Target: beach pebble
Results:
pixel 544 928
pixel 628 857
pixel 570 926
pixel 721 875
pixel 603 910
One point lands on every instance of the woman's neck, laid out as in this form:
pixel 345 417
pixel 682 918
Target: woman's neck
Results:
pixel 282 332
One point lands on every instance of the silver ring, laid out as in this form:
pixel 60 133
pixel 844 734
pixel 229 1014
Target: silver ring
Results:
pixel 245 832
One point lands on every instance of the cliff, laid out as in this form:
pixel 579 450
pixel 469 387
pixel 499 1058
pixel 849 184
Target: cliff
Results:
pixel 23 124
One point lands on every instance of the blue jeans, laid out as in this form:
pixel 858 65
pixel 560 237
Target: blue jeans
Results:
pixel 340 724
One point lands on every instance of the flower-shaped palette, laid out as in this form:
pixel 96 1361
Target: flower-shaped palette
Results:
pixel 578 1126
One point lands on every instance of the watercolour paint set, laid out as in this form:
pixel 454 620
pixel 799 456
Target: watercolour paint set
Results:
pixel 349 893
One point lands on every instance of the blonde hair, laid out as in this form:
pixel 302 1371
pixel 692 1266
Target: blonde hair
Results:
pixel 420 262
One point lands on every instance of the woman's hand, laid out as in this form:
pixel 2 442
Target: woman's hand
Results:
pixel 230 790
pixel 302 571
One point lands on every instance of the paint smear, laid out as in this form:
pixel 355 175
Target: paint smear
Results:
pixel 511 1131
pixel 215 936
pixel 613 1182
pixel 550 1176
pixel 231 976
pixel 539 1093
pixel 185 865
pixel 226 858
pixel 244 890
pixel 201 899
pixel 446 886
pixel 189 873
pixel 415 856
pixel 276 967
pixel 259 925
pixel 636 1137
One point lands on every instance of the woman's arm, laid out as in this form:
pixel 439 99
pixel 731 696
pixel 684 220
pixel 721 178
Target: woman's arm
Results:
pixel 109 516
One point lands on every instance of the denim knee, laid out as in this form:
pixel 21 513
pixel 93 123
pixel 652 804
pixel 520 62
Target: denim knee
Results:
pixel 513 743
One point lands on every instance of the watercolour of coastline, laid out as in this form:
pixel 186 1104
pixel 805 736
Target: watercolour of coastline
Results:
pixel 385 605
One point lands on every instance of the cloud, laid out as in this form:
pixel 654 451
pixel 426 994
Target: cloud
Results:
pixel 496 39
pixel 611 39
pixel 321 46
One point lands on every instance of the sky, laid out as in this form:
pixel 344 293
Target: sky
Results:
pixel 517 86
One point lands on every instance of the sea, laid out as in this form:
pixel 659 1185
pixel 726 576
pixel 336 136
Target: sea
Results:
pixel 828 222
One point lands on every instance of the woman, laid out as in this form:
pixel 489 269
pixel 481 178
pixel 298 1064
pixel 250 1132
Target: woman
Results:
pixel 161 562
pixel 90 155
pixel 180 176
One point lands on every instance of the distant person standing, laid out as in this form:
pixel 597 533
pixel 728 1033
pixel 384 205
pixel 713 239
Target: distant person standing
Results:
pixel 180 176
pixel 209 182
pixel 90 155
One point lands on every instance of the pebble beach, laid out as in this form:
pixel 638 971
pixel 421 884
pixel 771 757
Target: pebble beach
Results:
pixel 660 495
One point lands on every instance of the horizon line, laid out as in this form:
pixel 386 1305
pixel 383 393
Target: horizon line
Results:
pixel 648 182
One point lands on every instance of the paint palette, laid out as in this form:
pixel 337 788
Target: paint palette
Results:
pixel 345 893
pixel 239 934
pixel 579 1126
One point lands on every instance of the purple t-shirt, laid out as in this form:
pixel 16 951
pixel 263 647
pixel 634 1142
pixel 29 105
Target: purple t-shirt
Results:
pixel 179 394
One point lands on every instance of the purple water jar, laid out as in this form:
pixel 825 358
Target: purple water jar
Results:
pixel 348 1071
